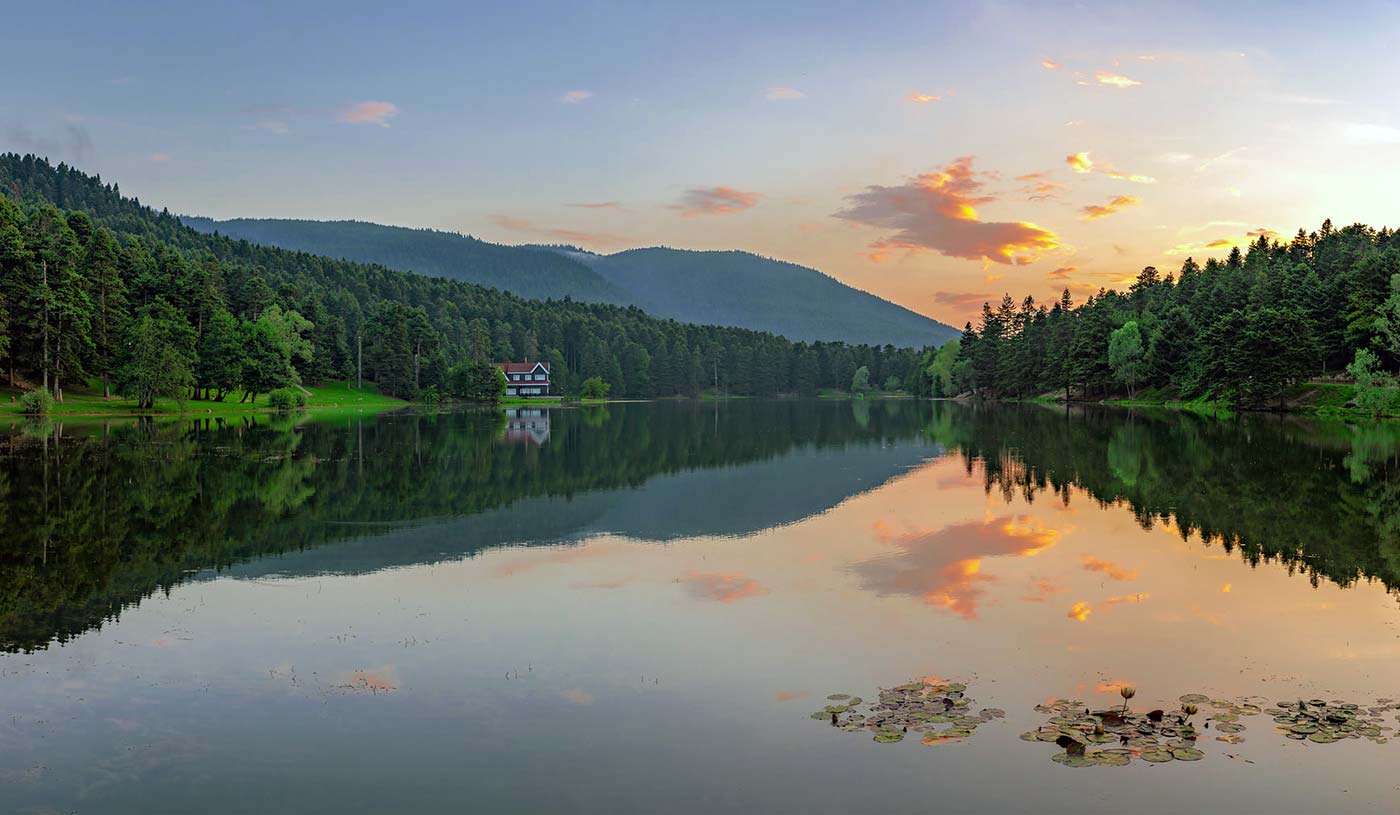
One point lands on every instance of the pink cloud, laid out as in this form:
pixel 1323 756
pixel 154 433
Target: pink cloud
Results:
pixel 368 113
pixel 716 201
pixel 574 97
pixel 572 236
pixel 937 212
pixel 779 94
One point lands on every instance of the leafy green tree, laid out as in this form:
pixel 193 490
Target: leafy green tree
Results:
pixel 1374 388
pixel 860 381
pixel 594 388
pixel 107 295
pixel 1388 323
pixel 158 355
pixel 221 356
pixel 1125 355
pixel 266 359
pixel 476 381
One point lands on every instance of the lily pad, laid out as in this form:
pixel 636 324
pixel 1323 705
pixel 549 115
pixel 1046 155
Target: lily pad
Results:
pixel 1157 756
pixel 1187 754
pixel 1194 699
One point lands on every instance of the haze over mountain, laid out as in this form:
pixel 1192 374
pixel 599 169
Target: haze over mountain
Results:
pixel 719 288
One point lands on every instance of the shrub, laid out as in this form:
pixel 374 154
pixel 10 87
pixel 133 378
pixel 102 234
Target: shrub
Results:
pixel 595 388
pixel 430 396
pixel 285 399
pixel 36 403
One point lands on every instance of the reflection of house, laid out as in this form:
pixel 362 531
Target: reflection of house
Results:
pixel 524 425
pixel 526 378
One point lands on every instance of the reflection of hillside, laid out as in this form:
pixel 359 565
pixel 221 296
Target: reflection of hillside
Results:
pixel 734 501
pixel 1321 498
pixel 100 521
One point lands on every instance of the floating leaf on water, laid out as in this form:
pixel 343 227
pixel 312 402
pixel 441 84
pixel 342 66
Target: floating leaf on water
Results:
pixel 1030 735
pixel 1107 759
pixel 1193 698
pixel 1322 738
pixel 1304 728
pixel 1230 728
pixel 1187 754
pixel 835 697
pixel 1072 761
pixel 1230 738
pixel 1157 756
pixel 889 736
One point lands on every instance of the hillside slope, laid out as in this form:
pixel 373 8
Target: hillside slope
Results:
pixel 713 288
pixel 533 274
pixel 746 290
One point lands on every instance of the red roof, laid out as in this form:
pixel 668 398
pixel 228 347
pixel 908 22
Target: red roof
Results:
pixel 522 367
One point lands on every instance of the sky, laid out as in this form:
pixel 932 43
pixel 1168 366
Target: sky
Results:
pixel 935 154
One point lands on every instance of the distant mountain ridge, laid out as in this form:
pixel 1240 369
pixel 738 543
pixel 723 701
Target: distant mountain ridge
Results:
pixel 730 288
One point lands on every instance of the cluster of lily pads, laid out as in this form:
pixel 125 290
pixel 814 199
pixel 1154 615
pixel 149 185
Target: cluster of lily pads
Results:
pixel 935 711
pixel 1114 737
pixel 940 712
pixel 1322 722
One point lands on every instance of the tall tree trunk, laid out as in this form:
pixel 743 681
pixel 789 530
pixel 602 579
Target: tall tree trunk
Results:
pixel 44 318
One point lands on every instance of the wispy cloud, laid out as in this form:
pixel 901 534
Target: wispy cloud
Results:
pixel 959 299
pixel 1050 65
pixel 158 157
pixel 571 236
pixel 575 96
pixel 780 93
pixel 937 212
pixel 724 587
pixel 1081 163
pixel 1108 569
pixel 716 201
pixel 1114 80
pixel 1095 211
pixel 923 98
pixel 368 113
pixel 1062 273
pixel 1039 186
pixel 599 205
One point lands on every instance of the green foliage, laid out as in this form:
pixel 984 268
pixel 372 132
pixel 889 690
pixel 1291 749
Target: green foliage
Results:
pixel 430 395
pixel 594 388
pixel 1246 330
pixel 892 383
pixel 860 381
pixel 286 399
pixel 36 403
pixel 1374 388
pixel 1125 355
pixel 476 381
pixel 157 359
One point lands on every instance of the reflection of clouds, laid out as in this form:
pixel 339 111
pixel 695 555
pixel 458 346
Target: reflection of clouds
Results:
pixel 944 568
pixel 789 695
pixel 724 587
pixel 561 554
pixel 1081 610
pixel 1109 569
pixel 578 696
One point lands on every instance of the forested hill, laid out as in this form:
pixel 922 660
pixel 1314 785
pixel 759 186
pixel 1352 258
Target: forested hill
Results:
pixel 96 285
pixel 743 289
pixel 714 288
pixel 526 272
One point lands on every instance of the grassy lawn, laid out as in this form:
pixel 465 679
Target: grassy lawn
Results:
pixel 325 397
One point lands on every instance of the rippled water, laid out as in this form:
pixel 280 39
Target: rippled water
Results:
pixel 635 608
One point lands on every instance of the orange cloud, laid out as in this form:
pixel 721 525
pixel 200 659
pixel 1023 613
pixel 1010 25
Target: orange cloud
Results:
pixel 1042 590
pixel 923 98
pixel 937 212
pixel 784 93
pixel 1115 80
pixel 574 97
pixel 1080 611
pixel 370 113
pixel 1062 273
pixel 1111 570
pixel 1081 163
pixel 1127 598
pixel 1040 187
pixel 1095 211
pixel 725 588
pixel 571 236
pixel 716 201
pixel 960 300
pixel 1049 64
pixel 944 568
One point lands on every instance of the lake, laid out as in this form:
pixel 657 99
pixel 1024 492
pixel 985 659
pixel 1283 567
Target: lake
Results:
pixel 638 608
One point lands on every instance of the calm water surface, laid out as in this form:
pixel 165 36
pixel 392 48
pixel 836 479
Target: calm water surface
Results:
pixel 634 608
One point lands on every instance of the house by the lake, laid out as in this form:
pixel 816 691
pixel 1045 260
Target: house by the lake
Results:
pixel 526 378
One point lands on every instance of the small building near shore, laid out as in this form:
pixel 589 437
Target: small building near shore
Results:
pixel 525 379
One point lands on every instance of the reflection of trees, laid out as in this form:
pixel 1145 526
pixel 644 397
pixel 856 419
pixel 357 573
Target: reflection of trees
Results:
pixel 97 521
pixel 1322 498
